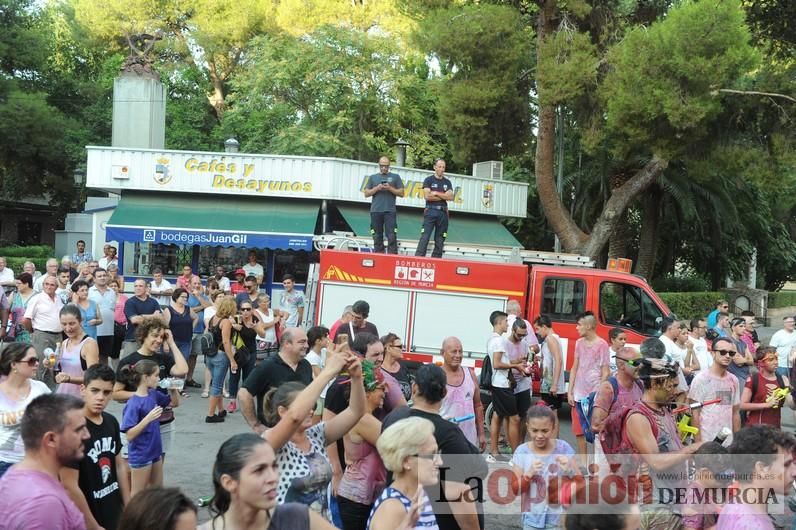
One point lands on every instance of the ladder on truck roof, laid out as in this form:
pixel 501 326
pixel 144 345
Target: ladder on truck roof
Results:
pixel 347 241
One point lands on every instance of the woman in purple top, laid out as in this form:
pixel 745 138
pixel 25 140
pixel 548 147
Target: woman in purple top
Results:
pixel 140 423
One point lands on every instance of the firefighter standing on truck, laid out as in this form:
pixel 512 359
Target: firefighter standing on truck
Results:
pixel 437 190
pixel 384 187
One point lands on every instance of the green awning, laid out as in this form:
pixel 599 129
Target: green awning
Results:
pixel 463 228
pixel 213 221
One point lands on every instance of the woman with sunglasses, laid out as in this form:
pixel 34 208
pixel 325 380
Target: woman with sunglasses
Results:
pixel 399 384
pixel 409 450
pixel 246 328
pixel 18 363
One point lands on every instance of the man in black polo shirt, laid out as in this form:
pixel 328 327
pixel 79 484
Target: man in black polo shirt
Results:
pixel 136 308
pixel 288 365
pixel 437 190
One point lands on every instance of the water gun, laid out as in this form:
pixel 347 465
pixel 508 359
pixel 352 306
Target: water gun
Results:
pixel 461 419
pixel 686 430
pixel 694 406
pixel 777 396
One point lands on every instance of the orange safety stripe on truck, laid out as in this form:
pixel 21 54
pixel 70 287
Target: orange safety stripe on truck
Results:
pixel 479 290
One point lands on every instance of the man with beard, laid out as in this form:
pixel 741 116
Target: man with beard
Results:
pixel 53 430
pixel 93 483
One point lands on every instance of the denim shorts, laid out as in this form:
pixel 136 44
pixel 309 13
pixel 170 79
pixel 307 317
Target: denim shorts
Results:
pixel 218 366
pixel 185 349
pixel 141 465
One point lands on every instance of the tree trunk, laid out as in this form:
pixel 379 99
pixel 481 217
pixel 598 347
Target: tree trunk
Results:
pixel 572 238
pixel 648 237
pixel 618 203
pixel 619 242
pixel 557 215
pixel 216 98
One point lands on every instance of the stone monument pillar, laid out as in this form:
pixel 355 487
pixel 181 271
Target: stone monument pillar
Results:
pixel 139 99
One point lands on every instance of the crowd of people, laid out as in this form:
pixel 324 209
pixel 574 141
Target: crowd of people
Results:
pixel 347 434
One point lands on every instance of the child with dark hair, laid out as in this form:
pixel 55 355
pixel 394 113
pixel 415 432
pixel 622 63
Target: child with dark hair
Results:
pixel 159 509
pixel 535 462
pixel 93 484
pixel 763 461
pixel 711 471
pixel 140 423
pixel 617 339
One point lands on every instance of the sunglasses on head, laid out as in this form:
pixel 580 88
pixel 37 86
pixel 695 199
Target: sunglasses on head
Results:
pixel 632 362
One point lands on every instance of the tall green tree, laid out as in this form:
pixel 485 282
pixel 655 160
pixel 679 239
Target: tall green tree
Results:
pixel 204 35
pixel 482 78
pixel 335 92
pixel 654 92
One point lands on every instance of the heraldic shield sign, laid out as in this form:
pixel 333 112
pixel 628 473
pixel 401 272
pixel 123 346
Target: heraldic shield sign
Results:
pixel 487 195
pixel 162 175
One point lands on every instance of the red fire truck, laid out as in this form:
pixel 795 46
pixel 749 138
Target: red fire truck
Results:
pixel 424 300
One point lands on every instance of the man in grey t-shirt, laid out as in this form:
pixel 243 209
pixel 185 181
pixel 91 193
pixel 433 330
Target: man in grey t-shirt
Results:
pixel 384 187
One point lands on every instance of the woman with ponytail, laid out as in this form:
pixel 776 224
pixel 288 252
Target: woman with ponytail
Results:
pixel 245 479
pixel 300 446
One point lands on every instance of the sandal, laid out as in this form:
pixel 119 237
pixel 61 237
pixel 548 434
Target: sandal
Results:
pixel 192 384
pixel 184 394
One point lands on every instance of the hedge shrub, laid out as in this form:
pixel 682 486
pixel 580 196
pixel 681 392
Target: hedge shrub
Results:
pixel 33 251
pixel 17 256
pixel 781 299
pixel 691 305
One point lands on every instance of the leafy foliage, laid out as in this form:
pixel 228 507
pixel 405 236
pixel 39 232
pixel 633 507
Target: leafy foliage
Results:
pixel 688 306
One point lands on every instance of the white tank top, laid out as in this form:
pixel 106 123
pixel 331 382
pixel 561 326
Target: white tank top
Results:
pixel 458 404
pixel 548 365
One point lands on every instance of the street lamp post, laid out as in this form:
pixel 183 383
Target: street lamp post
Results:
pixel 231 145
pixel 400 152
pixel 79 177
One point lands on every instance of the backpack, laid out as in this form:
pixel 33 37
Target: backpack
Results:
pixel 485 377
pixel 754 374
pixel 585 408
pixel 615 442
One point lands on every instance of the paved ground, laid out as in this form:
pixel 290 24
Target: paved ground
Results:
pixel 189 466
